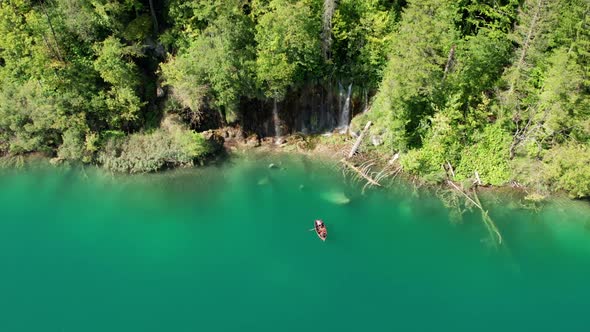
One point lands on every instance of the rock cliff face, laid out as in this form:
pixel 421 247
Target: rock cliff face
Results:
pixel 311 109
pixel 215 139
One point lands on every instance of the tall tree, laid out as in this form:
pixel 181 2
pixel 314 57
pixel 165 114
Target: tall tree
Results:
pixel 288 45
pixel 217 66
pixel 413 76
pixel 543 29
pixel 362 39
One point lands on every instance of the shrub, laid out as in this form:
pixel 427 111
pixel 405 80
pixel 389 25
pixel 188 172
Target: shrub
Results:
pixel 149 152
pixel 441 145
pixel 425 163
pixel 488 156
pixel 567 167
pixel 72 147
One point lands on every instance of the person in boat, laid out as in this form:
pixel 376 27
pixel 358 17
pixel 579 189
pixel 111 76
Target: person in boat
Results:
pixel 322 230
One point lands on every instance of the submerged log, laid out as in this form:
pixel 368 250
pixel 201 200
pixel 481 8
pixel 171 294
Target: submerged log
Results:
pixel 357 144
pixel 361 173
pixel 487 220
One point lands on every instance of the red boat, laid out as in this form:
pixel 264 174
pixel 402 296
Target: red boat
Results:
pixel 321 230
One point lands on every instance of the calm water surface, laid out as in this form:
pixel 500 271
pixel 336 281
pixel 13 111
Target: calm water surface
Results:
pixel 229 249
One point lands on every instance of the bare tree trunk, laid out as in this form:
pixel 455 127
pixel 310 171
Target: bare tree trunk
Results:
pixel 359 140
pixel 450 61
pixel 530 36
pixel 329 8
pixel 154 17
pixel 52 31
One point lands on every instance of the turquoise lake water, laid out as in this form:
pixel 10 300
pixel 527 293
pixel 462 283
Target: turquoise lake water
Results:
pixel 228 248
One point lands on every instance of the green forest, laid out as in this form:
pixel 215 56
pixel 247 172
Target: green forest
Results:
pixel 500 88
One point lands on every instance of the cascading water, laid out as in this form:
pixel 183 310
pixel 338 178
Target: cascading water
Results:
pixel 276 120
pixel 345 111
pixel 340 95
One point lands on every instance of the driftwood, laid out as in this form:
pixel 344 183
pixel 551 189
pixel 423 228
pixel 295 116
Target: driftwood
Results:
pixel 488 221
pixel 449 168
pixel 478 180
pixel 393 159
pixel 362 173
pixel 357 144
pixel 490 225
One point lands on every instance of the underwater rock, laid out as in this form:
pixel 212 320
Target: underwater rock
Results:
pixel 215 140
pixel 336 197
pixel 265 180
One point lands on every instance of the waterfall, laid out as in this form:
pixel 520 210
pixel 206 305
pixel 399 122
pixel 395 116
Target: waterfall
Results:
pixel 276 120
pixel 340 95
pixel 345 111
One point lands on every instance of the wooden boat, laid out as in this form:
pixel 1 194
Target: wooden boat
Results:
pixel 321 230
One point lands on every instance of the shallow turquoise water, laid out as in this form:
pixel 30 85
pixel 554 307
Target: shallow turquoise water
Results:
pixel 228 249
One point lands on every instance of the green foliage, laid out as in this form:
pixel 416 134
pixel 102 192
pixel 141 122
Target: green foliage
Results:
pixel 426 163
pixel 479 62
pixel 501 87
pixel 441 146
pixel 362 38
pixel 489 14
pixel 414 74
pixel 28 117
pixel 52 58
pixel 72 147
pixel 562 110
pixel 287 46
pixel 488 156
pixel 149 152
pixel 138 29
pixel 567 168
pixel 223 70
pixel 114 63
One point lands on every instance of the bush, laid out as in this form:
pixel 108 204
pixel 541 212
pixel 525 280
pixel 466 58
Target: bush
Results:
pixel 441 146
pixel 488 156
pixel 149 152
pixel 567 168
pixel 425 163
pixel 72 147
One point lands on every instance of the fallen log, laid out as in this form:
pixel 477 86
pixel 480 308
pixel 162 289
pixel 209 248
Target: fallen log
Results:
pixel 361 173
pixel 357 144
pixel 477 179
pixel 487 220
pixel 451 168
